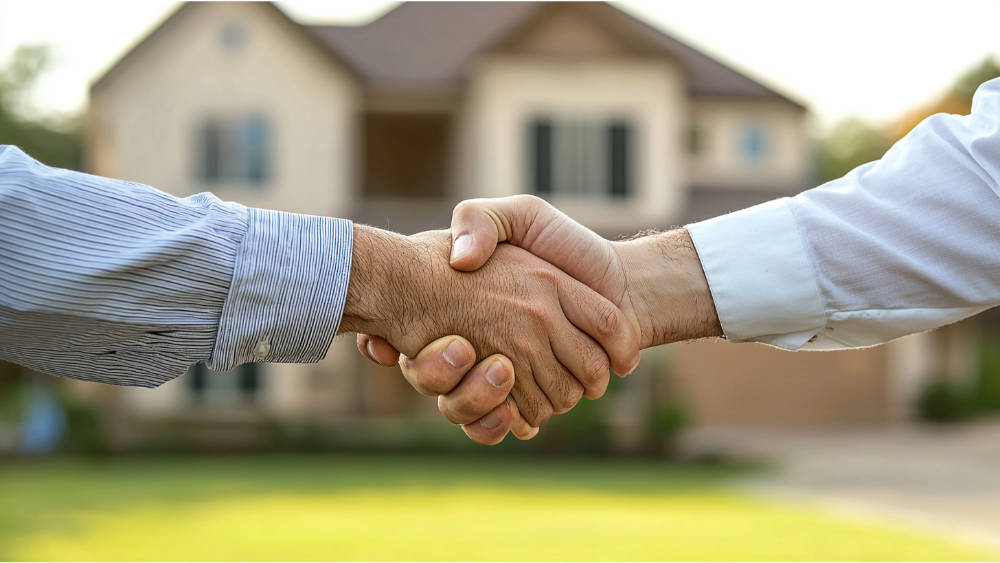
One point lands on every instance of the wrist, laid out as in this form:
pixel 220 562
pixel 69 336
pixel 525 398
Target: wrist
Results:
pixel 668 288
pixel 393 286
pixel 373 304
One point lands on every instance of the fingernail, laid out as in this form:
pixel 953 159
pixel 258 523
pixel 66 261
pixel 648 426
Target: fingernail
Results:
pixel 496 375
pixel 491 420
pixel 455 355
pixel 634 366
pixel 371 353
pixel 461 247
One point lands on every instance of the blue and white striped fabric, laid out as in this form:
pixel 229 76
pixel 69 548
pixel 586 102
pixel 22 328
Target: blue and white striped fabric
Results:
pixel 112 281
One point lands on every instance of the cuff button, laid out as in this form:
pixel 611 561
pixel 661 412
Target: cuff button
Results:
pixel 262 350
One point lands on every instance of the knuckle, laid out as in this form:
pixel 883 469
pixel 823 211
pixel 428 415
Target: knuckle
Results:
pixel 573 399
pixel 529 200
pixel 548 274
pixel 534 408
pixel 597 367
pixel 540 415
pixel 609 322
pixel 569 399
pixel 517 343
pixel 465 206
pixel 565 392
pixel 539 311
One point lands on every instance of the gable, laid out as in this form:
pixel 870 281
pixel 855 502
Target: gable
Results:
pixel 568 30
pixel 181 27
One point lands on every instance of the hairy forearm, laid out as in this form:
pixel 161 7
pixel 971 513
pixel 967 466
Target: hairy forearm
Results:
pixel 668 288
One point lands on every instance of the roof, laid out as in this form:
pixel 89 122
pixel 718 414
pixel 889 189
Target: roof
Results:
pixel 430 45
pixel 424 43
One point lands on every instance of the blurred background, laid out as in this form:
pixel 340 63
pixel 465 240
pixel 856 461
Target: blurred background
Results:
pixel 625 116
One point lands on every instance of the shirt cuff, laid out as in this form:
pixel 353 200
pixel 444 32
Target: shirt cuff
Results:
pixel 288 290
pixel 760 275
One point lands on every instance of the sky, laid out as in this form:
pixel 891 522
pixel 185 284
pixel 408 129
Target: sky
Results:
pixel 873 59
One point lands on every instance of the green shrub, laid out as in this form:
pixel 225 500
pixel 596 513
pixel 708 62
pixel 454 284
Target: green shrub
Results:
pixel 944 401
pixel 986 385
pixel 665 426
pixel 83 430
pixel 584 430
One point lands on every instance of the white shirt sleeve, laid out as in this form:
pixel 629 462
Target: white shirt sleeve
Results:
pixel 901 245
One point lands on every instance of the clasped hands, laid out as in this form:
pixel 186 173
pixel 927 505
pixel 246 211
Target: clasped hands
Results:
pixel 548 313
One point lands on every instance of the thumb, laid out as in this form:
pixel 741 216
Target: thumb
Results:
pixel 475 232
pixel 477 225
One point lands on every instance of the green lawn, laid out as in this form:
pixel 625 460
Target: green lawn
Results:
pixel 423 508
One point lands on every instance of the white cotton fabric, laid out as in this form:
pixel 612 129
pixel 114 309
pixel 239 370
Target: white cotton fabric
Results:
pixel 901 245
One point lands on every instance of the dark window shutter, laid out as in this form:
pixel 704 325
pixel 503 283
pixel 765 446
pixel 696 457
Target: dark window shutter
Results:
pixel 249 379
pixel 618 145
pixel 211 151
pixel 541 136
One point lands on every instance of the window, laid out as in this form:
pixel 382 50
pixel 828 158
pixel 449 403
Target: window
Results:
pixel 240 385
pixel 753 144
pixel 696 141
pixel 581 157
pixel 236 150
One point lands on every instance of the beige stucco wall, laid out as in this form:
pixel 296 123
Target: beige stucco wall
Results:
pixel 719 163
pixel 144 116
pixel 506 92
pixel 728 385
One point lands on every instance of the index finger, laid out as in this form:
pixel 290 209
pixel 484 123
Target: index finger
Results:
pixel 603 321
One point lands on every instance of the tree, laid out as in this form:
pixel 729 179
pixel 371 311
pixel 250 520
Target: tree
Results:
pixel 969 82
pixel 851 143
pixel 55 144
pixel 958 99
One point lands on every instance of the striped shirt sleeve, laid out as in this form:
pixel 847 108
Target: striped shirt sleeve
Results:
pixel 116 282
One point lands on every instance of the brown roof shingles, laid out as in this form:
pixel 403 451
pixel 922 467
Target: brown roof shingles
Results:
pixel 423 43
pixel 429 45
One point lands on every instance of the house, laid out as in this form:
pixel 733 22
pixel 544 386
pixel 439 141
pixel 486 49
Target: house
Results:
pixel 391 123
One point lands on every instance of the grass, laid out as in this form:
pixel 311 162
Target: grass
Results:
pixel 414 508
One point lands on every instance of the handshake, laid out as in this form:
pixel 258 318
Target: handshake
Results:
pixel 557 306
